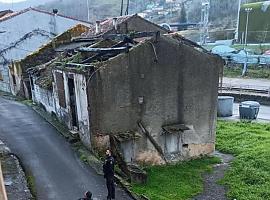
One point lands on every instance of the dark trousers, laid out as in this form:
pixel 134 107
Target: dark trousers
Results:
pixel 110 187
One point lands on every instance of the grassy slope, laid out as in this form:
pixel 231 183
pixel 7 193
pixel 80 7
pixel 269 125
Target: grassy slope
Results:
pixel 175 182
pixel 249 176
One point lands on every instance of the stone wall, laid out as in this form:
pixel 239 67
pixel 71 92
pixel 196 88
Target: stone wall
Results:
pixel 158 83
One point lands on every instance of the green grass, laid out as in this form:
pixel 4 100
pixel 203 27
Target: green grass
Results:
pixel 249 176
pixel 175 182
pixel 31 184
pixel 253 72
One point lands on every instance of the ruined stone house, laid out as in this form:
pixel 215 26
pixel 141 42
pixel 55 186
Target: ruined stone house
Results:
pixel 153 96
pixel 159 98
pixel 22 33
pixel 56 92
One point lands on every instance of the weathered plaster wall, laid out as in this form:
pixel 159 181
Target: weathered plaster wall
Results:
pixel 180 85
pixel 44 97
pixel 82 109
pixel 81 105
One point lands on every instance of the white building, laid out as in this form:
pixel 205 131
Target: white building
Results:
pixel 22 33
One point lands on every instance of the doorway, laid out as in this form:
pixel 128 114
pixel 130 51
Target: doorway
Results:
pixel 72 100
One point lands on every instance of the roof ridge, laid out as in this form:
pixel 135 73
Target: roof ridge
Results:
pixel 14 14
pixel 61 15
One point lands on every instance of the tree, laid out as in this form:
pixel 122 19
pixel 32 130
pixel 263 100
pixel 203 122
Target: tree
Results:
pixel 183 14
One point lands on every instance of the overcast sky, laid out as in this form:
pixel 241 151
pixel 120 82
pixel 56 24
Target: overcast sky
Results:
pixel 10 1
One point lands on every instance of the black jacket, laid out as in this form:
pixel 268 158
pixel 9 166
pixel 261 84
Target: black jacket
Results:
pixel 108 167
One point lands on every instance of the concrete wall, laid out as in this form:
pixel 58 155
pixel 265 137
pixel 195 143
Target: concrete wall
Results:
pixel 24 34
pixel 4 82
pixel 178 85
pixel 44 97
pixel 81 105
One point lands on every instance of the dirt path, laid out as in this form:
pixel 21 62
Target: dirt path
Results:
pixel 212 190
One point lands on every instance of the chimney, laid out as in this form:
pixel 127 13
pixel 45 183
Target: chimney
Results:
pixel 115 23
pixel 98 29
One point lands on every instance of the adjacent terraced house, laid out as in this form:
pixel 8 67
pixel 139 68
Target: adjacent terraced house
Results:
pixel 22 33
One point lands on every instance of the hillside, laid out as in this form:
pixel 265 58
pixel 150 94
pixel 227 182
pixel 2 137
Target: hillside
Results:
pixel 99 9
pixel 223 14
pixel 22 5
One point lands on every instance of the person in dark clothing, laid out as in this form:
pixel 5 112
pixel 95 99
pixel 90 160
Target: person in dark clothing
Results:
pixel 108 170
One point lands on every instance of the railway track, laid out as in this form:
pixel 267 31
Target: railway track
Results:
pixel 246 89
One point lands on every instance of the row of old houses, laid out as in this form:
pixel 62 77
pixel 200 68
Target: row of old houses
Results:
pixel 127 83
pixel 23 32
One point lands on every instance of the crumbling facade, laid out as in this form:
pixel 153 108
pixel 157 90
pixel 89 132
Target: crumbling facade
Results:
pixel 151 96
pixel 65 96
pixel 163 90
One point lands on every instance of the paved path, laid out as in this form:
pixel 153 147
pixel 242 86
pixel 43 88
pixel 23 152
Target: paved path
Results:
pixel 58 172
pixel 258 84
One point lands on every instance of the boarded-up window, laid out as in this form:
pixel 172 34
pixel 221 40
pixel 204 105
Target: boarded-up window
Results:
pixel 60 89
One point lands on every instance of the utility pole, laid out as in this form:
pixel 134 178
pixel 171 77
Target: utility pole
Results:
pixel 248 10
pixel 204 21
pixel 88 10
pixel 236 37
pixel 122 5
pixel 127 7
